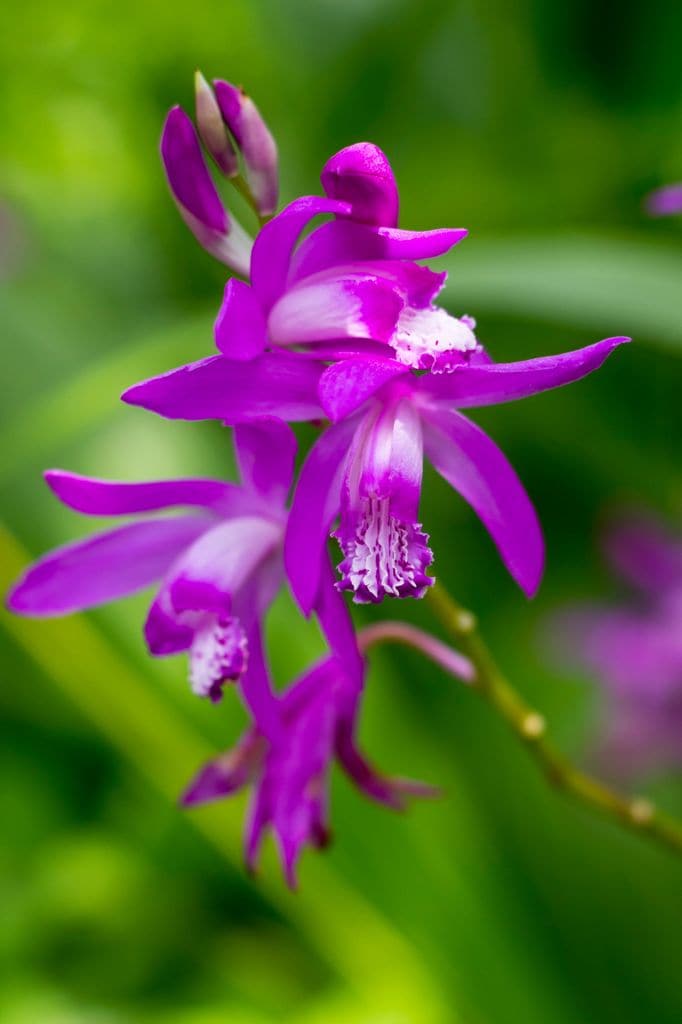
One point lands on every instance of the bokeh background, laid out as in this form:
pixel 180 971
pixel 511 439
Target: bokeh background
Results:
pixel 539 126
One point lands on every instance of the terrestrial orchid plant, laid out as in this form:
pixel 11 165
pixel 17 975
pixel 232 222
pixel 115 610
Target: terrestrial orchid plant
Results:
pixel 337 325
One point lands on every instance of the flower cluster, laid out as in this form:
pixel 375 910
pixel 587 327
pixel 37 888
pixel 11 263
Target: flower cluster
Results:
pixel 635 649
pixel 334 322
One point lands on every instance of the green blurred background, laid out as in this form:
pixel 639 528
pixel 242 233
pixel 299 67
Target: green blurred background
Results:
pixel 537 125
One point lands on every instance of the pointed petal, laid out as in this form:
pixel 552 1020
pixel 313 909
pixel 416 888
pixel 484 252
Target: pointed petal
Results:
pixel 95 497
pixel 490 383
pixel 346 385
pixel 103 567
pixel 477 469
pixel 315 504
pixel 266 453
pixel 240 331
pixel 362 176
pixel 275 384
pixel 274 245
pixel 344 241
pixel 330 308
pixel 228 773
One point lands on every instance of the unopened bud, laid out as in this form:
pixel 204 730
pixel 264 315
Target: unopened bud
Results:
pixel 212 128
pixel 196 197
pixel 257 146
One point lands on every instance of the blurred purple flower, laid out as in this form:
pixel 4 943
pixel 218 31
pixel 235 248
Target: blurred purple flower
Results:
pixel 665 201
pixel 635 651
pixel 220 566
pixel 290 769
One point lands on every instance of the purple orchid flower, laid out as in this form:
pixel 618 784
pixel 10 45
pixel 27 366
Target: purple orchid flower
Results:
pixel 220 566
pixel 367 468
pixel 665 201
pixel 636 650
pixel 351 286
pixel 290 771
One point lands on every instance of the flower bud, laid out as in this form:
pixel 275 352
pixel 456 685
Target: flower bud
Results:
pixel 255 142
pixel 212 128
pixel 196 197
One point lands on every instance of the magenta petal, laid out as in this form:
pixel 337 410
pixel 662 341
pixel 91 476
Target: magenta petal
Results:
pixel 274 384
pixel 103 567
pixel 490 383
pixel 337 624
pixel 346 385
pixel 315 504
pixel 228 773
pixel 329 308
pixel 362 176
pixel 266 452
pixel 344 241
pixel 257 691
pixel 477 469
pixel 188 175
pixel 240 331
pixel 95 497
pixel 274 245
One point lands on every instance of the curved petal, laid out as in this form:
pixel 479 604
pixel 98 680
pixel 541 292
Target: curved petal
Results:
pixel 240 331
pixel 266 453
pixel 330 308
pixel 362 176
pixel 274 384
pixel 345 241
pixel 491 383
pixel 346 385
pixel 95 497
pixel 103 567
pixel 477 469
pixel 274 245
pixel 316 503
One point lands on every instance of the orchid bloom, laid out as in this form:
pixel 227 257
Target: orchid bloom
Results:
pixel 219 566
pixel 635 650
pixel 290 772
pixel 368 464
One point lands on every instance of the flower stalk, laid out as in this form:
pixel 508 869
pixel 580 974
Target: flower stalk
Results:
pixel 635 813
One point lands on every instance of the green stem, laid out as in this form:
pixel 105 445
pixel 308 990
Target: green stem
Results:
pixel 635 813
pixel 242 186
